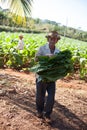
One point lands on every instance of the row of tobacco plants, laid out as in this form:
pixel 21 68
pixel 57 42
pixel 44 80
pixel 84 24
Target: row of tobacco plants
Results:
pixel 11 57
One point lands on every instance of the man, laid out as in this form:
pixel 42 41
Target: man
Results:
pixel 45 107
pixel 20 43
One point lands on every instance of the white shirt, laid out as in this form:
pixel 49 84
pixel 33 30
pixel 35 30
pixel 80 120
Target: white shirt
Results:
pixel 44 50
pixel 20 45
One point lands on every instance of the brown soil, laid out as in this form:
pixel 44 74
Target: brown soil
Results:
pixel 17 103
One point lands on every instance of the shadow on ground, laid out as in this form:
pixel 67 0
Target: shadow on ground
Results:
pixel 65 119
pixel 62 117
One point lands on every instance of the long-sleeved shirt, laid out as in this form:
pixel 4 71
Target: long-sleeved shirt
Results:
pixel 44 50
pixel 20 45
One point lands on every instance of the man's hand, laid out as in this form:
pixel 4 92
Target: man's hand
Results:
pixel 49 55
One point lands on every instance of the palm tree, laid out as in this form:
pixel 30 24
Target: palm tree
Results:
pixel 19 7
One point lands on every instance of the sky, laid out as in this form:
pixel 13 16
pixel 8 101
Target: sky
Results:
pixel 72 13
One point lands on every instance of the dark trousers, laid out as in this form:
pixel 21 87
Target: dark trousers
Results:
pixel 42 103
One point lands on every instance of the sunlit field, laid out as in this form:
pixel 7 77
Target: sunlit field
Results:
pixel 13 58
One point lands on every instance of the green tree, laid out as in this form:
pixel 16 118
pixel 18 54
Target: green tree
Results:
pixel 21 8
pixel 18 8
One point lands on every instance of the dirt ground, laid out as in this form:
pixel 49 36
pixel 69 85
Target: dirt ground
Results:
pixel 17 103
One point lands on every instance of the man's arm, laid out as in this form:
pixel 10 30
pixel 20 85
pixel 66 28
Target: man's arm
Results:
pixel 39 53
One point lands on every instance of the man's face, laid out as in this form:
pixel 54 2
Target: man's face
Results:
pixel 52 40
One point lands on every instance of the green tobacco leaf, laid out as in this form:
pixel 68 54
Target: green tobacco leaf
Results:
pixel 55 67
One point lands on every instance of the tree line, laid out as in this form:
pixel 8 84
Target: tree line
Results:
pixel 11 22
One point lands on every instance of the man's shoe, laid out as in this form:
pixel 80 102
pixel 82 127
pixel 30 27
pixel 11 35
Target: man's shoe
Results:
pixel 40 115
pixel 47 119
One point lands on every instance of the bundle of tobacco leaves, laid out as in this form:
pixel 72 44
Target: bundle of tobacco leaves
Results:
pixel 54 67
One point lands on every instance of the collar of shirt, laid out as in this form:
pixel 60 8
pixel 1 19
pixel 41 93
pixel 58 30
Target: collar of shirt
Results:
pixel 55 51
